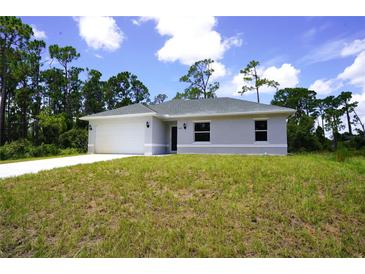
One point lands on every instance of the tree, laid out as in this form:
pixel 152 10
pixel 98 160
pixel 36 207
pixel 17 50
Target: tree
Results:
pixel 35 49
pixel 53 84
pixel 357 120
pixel 332 117
pixel 64 56
pixel 52 125
pixel 125 89
pixel 348 107
pixel 301 133
pixel 199 77
pixel 320 110
pixel 160 98
pixel 302 100
pixel 13 36
pixel 25 71
pixel 93 92
pixel 250 75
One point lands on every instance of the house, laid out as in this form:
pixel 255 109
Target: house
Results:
pixel 216 125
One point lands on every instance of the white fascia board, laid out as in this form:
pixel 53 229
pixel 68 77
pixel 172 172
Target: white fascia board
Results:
pixel 289 112
pixel 86 118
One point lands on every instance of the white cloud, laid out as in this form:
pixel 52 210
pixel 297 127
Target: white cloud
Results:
pixel 219 70
pixel 192 39
pixel 100 32
pixel 309 34
pixel 355 73
pixel 360 110
pixel 325 87
pixel 286 75
pixel 98 56
pixel 353 48
pixel 38 34
pixel 136 22
pixel 327 51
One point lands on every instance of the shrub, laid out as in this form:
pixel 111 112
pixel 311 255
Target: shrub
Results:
pixel 70 151
pixel 342 153
pixel 15 150
pixel 74 138
pixel 44 150
pixel 24 149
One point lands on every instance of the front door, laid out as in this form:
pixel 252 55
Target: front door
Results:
pixel 173 138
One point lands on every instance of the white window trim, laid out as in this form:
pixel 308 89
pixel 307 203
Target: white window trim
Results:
pixel 202 121
pixel 262 130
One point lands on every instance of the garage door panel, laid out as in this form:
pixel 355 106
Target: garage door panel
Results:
pixel 120 136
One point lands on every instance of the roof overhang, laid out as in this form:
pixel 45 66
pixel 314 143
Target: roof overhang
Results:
pixel 90 118
pixel 249 113
pixel 188 115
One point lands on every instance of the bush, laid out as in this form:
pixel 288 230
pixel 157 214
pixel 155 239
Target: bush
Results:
pixel 44 150
pixel 342 153
pixel 14 150
pixel 70 151
pixel 24 149
pixel 74 138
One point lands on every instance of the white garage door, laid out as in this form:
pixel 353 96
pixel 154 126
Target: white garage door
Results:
pixel 120 136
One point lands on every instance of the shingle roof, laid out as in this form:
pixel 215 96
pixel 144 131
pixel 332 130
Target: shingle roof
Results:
pixel 213 106
pixel 131 109
pixel 200 107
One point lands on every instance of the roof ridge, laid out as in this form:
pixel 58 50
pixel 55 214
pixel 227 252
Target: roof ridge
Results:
pixel 147 106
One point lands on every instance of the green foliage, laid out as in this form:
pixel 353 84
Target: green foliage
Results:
pixel 24 149
pixel 64 55
pixel 348 107
pixel 301 125
pixel 51 125
pixel 301 135
pixel 160 98
pixel 93 93
pixel 332 116
pixel 342 153
pixel 199 80
pixel 302 100
pixel 74 138
pixel 125 89
pixel 13 37
pixel 253 80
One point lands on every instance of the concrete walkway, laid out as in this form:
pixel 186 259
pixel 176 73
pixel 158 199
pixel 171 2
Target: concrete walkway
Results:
pixel 20 168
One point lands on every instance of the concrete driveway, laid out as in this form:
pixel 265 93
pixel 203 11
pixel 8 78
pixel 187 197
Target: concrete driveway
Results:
pixel 20 168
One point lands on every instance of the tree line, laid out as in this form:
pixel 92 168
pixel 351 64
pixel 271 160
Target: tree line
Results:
pixel 313 116
pixel 41 101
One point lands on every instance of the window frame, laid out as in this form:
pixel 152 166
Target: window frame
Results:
pixel 207 131
pixel 261 130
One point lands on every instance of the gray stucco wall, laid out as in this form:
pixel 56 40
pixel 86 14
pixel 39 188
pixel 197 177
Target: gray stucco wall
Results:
pixel 234 135
pixel 91 138
pixel 156 141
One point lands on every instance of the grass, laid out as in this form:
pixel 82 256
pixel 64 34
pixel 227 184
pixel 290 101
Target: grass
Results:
pixel 188 206
pixel 38 158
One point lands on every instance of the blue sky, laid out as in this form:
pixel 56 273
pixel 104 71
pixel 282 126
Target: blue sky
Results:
pixel 324 53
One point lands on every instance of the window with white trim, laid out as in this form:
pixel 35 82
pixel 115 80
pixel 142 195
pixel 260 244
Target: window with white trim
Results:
pixel 202 132
pixel 261 130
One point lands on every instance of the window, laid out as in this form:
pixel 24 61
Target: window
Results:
pixel 260 130
pixel 202 132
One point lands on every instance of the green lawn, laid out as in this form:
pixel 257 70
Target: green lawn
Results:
pixel 188 206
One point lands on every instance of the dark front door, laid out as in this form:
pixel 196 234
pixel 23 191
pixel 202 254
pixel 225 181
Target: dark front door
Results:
pixel 173 138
